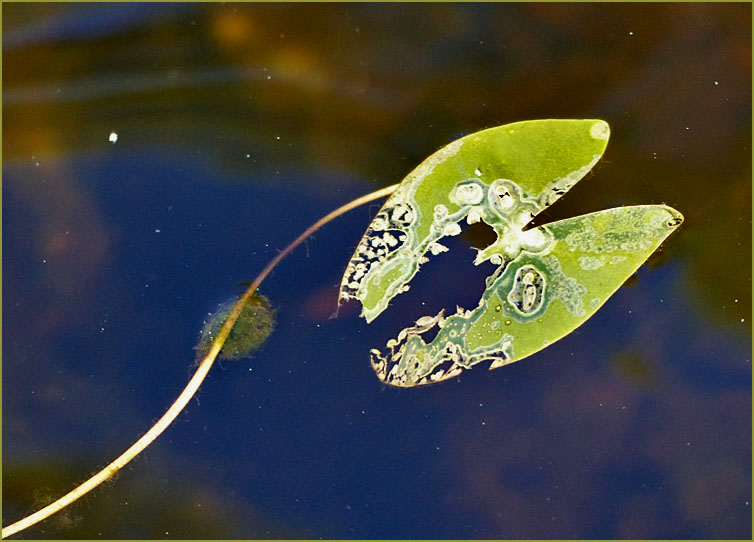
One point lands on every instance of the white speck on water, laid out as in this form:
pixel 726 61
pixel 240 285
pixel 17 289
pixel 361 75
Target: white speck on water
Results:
pixel 248 155
pixel 735 301
pixel 157 231
pixel 742 320
pixel 113 137
pixel 716 83
pixel 630 33
pixel 277 137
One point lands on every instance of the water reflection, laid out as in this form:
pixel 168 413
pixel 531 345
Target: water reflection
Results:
pixel 239 125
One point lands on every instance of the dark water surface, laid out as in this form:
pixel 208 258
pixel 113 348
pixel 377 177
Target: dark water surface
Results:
pixel 237 127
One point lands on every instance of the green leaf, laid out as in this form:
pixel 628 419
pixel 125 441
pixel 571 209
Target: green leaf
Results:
pixel 547 280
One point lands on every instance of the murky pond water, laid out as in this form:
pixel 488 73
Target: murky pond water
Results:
pixel 154 156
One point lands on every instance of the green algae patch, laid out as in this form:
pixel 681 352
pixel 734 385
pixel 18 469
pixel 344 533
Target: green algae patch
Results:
pixel 254 325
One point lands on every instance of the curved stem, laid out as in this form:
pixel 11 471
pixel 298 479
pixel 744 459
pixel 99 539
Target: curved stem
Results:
pixel 191 388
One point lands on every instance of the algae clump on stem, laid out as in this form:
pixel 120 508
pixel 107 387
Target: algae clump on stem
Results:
pixel 255 323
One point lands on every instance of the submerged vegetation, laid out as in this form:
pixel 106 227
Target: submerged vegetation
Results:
pixel 255 323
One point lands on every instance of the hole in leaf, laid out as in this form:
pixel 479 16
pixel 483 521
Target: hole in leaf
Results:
pixel 446 281
pixel 479 235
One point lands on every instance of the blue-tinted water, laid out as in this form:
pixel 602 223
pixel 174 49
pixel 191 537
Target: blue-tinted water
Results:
pixel 240 125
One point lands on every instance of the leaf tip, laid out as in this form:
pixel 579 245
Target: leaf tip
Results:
pixel 600 130
pixel 676 218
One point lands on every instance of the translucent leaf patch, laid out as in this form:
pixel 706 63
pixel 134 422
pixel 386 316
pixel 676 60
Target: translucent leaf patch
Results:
pixel 546 281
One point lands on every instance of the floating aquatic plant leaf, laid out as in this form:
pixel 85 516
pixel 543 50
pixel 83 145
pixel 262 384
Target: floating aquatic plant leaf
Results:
pixel 254 325
pixel 547 280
